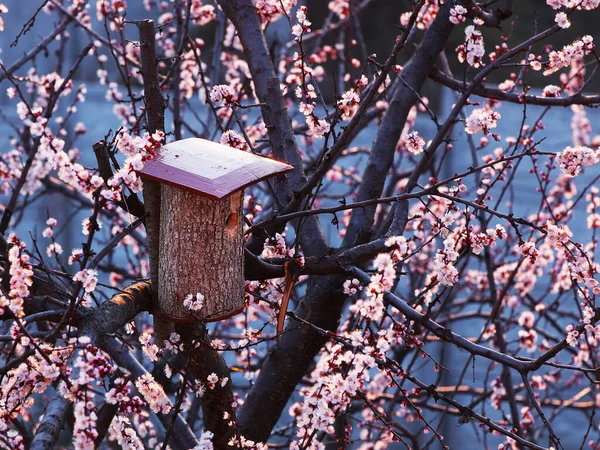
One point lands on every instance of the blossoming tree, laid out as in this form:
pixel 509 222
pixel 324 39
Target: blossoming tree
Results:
pixel 435 300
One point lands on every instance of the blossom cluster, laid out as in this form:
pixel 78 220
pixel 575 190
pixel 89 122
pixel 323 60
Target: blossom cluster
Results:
pixel 425 17
pixel 201 14
pixel 414 143
pixel 272 10
pixel 299 74
pixel 120 395
pixel 150 349
pixel 91 366
pixel 153 393
pixel 568 55
pixel 332 391
pixel 276 247
pixel 482 119
pixel 573 159
pixel 458 14
pixel 303 25
pixel 21 274
pixel 194 302
pixel 32 376
pixel 124 434
pixel 445 270
pixel 568 4
pixel 88 279
pixel 233 139
pixel 222 93
pixel 473 49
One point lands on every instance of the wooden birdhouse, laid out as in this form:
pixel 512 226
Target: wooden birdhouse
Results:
pixel 201 241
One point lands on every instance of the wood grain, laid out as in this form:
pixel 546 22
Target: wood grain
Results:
pixel 201 250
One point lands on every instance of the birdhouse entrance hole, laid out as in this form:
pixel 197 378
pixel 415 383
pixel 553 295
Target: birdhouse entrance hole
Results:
pixel 232 220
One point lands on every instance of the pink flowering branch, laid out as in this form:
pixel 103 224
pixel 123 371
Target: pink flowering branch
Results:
pixel 8 210
pixel 382 153
pixel 243 14
pixel 89 30
pixel 487 92
pixel 433 190
pixel 182 434
pixel 435 392
pixel 442 332
pixel 469 413
pixel 331 156
pixel 440 137
pixel 329 27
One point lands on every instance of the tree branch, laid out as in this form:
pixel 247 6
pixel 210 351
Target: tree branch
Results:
pixel 184 436
pixel 382 154
pixel 48 432
pixel 487 92
pixel 281 137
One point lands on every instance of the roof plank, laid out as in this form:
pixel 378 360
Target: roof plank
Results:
pixel 208 168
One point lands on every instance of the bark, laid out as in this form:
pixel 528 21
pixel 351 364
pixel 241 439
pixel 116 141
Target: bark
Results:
pixel 49 430
pixel 202 250
pixel 155 118
pixel 115 313
pixel 153 99
pixel 217 403
pixel 515 97
pixel 491 18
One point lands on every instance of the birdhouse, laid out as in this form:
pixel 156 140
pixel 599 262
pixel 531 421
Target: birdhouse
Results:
pixel 201 240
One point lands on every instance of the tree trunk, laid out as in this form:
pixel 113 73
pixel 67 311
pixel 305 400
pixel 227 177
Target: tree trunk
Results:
pixel 201 251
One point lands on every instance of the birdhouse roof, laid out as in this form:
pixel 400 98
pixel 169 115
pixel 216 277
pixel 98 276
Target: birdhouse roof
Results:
pixel 209 169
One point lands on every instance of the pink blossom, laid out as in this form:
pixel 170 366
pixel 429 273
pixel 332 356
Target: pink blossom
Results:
pixel 551 91
pixel 473 49
pixel 562 20
pixel 221 93
pixel 205 441
pixel 572 336
pixel 458 14
pixel 340 7
pixel 194 302
pixel 572 159
pixel 349 102
pixel 233 139
pixel 414 143
pixel 88 278
pixel 153 393
pixel 351 287
pixel 202 14
pixel 557 236
pixel 482 119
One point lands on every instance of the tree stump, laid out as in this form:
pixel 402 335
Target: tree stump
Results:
pixel 201 251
